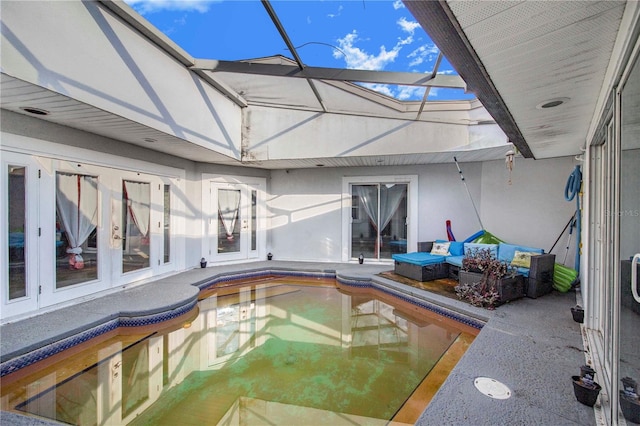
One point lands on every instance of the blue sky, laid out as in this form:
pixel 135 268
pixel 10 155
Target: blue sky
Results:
pixel 357 34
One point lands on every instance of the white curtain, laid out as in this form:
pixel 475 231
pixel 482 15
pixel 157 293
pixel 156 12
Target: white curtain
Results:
pixel 77 204
pixel 390 198
pixel 138 197
pixel 228 205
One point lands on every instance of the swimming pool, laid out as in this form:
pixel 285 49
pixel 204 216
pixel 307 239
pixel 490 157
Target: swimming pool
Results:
pixel 279 351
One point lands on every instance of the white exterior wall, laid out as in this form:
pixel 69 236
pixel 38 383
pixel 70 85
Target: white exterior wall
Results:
pixel 532 210
pixel 306 222
pixel 80 49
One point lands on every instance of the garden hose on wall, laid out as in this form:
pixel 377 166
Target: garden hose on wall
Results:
pixel 572 190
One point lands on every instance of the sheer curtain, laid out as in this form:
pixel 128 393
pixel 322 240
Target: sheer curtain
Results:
pixel 390 197
pixel 138 196
pixel 228 205
pixel 77 204
pixel 368 194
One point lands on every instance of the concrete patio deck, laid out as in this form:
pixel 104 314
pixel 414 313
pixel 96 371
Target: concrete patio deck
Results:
pixel 531 345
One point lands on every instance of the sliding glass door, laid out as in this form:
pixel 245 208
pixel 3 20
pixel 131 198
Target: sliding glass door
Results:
pixel 628 214
pixel 378 220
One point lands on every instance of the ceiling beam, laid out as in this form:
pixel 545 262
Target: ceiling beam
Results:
pixel 437 19
pixel 337 74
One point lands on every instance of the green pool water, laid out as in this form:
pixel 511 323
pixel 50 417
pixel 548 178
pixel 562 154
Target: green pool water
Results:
pixel 265 353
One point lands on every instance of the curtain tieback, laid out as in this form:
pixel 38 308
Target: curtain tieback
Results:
pixel 74 250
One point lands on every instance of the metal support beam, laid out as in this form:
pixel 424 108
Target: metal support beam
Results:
pixel 292 49
pixel 333 74
pixel 428 89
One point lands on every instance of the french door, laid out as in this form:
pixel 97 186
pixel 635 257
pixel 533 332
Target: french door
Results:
pixel 139 228
pixel 235 222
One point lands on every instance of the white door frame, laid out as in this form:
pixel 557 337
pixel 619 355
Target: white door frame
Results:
pixel 31 230
pixel 412 209
pixel 246 185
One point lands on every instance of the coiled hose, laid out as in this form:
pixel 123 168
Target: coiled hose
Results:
pixel 571 190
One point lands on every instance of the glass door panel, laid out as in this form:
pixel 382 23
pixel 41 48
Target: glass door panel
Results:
pixel 17 261
pixel 229 220
pixel 166 228
pixel 629 221
pixel 234 221
pixel 378 220
pixel 19 230
pixel 136 215
pixel 76 244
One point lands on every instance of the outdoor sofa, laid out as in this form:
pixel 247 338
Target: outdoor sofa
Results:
pixel 431 263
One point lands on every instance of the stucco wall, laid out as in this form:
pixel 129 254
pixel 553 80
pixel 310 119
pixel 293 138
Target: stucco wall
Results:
pixel 532 209
pixel 305 217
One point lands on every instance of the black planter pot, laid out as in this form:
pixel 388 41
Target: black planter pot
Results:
pixel 578 314
pixel 630 407
pixel 585 393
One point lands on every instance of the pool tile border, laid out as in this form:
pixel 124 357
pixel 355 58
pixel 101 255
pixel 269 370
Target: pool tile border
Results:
pixel 51 349
pixel 48 350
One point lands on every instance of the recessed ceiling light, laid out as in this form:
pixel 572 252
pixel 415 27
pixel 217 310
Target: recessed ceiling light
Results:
pixel 36 111
pixel 319 165
pixel 150 140
pixel 551 103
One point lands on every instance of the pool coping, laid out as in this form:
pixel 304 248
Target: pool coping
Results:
pixel 27 352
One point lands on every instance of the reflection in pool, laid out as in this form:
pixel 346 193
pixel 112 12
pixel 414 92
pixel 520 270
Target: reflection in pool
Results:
pixel 267 352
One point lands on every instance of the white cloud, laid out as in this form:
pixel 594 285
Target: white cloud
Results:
pixel 407 26
pixel 380 88
pixel 410 92
pixel 426 52
pixel 398 5
pixel 357 58
pixel 150 6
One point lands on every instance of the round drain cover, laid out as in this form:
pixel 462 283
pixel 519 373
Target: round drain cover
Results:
pixel 492 388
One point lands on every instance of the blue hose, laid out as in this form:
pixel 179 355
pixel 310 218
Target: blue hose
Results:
pixel 571 189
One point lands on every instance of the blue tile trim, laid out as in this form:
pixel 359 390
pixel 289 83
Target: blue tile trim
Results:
pixel 39 354
pixel 263 274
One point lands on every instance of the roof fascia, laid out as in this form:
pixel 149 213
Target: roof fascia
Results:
pixel 437 19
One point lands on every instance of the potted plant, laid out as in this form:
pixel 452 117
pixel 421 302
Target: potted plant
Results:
pixel 629 400
pixel 585 388
pixel 486 281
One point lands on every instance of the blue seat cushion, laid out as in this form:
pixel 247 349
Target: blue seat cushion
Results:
pixel 507 251
pixel 455 260
pixel 418 258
